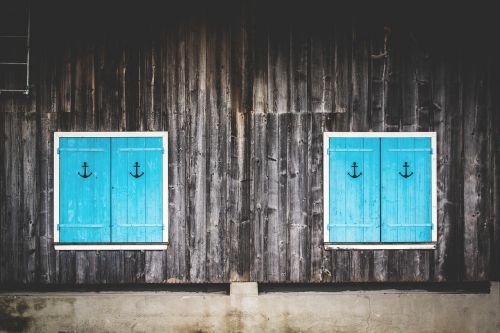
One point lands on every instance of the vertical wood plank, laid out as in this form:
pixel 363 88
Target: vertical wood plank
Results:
pixel 282 234
pixel 64 75
pixel 279 51
pixel 393 110
pixel 217 121
pixel 12 171
pixel 495 151
pixel 260 194
pixel 379 48
pixel 239 151
pixel 448 113
pixel 152 92
pixel 83 84
pixel 111 266
pixel 342 36
pixel 297 187
pixel 196 146
pixel 110 72
pixel 407 44
pixel 274 264
pixel 298 75
pixel 133 268
pixel 129 113
pixel 321 270
pixel 30 189
pixel 423 76
pixel 3 201
pixel 8 225
pixel 260 55
pixel 360 79
pixel 476 173
pixel 259 156
pixel 177 255
pixel 320 67
pixel 46 256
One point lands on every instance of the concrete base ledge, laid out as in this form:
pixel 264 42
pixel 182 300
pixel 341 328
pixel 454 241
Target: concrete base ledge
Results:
pixel 244 310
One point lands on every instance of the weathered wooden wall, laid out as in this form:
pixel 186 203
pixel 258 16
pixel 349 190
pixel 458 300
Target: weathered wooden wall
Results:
pixel 246 94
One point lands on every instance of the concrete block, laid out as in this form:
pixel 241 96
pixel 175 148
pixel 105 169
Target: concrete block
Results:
pixel 243 289
pixel 247 311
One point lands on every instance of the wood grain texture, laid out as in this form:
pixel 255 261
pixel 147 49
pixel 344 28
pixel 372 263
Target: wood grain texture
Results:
pixel 217 131
pixel 174 60
pixel 495 151
pixel 196 163
pixel 245 98
pixel 476 169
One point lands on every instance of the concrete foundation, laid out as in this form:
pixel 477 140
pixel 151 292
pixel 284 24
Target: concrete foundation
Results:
pixel 244 310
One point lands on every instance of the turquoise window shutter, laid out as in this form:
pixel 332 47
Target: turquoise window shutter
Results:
pixel 406 190
pixel 354 193
pixel 137 200
pixel 84 178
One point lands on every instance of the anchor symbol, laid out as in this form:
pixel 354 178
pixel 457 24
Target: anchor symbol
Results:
pixel 354 166
pixel 84 166
pixel 406 175
pixel 137 175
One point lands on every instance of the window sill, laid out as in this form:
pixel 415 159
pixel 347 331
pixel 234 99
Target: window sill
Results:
pixel 111 247
pixel 379 246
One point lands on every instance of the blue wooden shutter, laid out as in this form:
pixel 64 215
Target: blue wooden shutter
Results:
pixel 406 190
pixel 137 208
pixel 354 202
pixel 84 190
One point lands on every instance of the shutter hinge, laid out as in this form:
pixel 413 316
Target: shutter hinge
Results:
pixel 162 150
pixel 58 227
pixel 58 151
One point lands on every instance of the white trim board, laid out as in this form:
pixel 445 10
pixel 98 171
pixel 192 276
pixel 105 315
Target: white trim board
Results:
pixel 326 185
pixel 108 134
pixel 163 135
pixel 110 247
pixel 381 246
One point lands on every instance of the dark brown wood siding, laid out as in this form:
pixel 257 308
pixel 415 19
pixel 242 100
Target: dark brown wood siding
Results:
pixel 245 94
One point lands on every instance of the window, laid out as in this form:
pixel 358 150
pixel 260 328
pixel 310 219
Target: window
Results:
pixel 110 190
pixel 379 190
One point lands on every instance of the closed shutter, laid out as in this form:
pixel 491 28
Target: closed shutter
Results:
pixel 84 178
pixel 406 190
pixel 354 193
pixel 137 189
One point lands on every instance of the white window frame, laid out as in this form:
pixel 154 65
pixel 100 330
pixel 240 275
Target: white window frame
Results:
pixel 111 246
pixel 326 192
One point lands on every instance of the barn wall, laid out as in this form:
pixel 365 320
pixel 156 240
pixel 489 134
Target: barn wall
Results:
pixel 245 98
